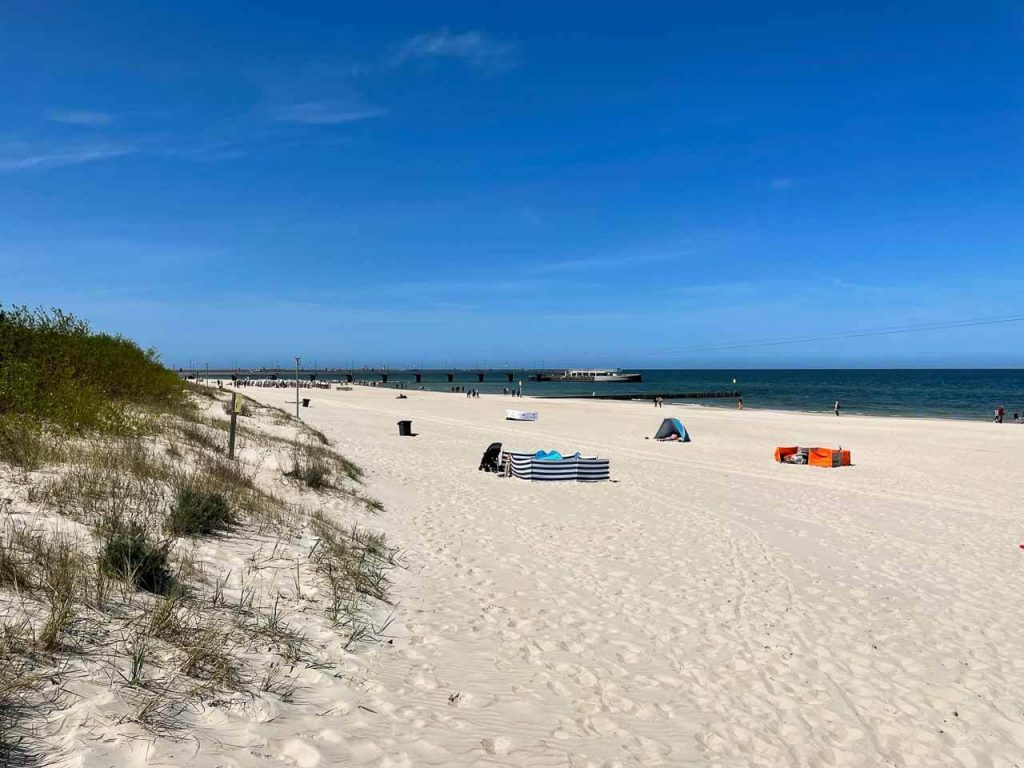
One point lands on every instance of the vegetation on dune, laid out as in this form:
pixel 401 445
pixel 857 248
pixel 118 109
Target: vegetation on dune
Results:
pixel 121 467
pixel 53 367
pixel 24 442
pixel 130 553
pixel 198 512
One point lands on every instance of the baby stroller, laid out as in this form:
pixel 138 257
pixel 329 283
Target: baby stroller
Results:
pixel 491 457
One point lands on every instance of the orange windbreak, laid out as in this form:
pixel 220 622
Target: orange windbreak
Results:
pixel 781 453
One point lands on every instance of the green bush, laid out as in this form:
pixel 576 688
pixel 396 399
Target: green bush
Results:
pixel 53 367
pixel 197 512
pixel 129 553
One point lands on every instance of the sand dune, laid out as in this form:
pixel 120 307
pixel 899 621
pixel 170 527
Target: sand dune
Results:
pixel 709 607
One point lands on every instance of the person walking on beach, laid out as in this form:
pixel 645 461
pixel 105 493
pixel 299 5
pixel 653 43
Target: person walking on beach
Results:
pixel 739 403
pixel 1000 413
pixel 836 407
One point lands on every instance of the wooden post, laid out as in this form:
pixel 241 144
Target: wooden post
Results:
pixel 235 401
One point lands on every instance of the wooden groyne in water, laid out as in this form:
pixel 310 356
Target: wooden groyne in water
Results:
pixel 649 396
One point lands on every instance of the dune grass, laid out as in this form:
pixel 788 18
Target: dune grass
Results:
pixel 319 467
pixel 127 465
pixel 354 562
pixel 129 552
pixel 199 512
pixel 25 443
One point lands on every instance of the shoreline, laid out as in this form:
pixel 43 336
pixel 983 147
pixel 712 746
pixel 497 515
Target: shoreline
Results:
pixel 703 405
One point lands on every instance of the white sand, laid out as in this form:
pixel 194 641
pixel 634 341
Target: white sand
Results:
pixel 709 607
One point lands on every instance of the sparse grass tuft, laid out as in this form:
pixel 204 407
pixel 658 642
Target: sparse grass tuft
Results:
pixel 35 561
pixel 200 390
pixel 96 494
pixel 316 434
pixel 372 504
pixel 355 563
pixel 198 512
pixel 58 621
pixel 318 467
pixel 19 682
pixel 200 436
pixel 25 443
pixel 208 657
pixel 311 469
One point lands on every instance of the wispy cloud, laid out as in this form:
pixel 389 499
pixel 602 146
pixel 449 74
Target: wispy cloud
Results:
pixel 473 47
pixel 484 284
pixel 324 113
pixel 80 117
pixel 606 262
pixel 23 158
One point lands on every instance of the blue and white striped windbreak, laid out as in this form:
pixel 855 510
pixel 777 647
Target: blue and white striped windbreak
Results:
pixel 586 469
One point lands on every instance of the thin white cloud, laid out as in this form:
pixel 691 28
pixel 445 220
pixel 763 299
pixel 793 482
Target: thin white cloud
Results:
pixel 473 47
pixel 484 284
pixel 324 113
pixel 20 158
pixel 80 117
pixel 606 262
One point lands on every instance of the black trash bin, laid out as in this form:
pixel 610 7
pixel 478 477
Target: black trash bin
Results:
pixel 305 402
pixel 405 429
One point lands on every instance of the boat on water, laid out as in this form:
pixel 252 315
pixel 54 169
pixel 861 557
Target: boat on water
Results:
pixel 590 376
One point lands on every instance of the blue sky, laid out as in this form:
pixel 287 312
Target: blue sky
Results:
pixel 420 183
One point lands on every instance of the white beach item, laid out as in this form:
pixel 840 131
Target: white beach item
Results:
pixel 520 415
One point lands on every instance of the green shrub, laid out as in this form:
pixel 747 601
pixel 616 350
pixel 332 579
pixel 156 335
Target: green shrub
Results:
pixel 197 512
pixel 52 366
pixel 129 553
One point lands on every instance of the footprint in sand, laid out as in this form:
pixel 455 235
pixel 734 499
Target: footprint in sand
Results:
pixel 602 726
pixel 300 753
pixel 496 745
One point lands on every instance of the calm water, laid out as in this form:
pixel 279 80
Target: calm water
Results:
pixel 966 394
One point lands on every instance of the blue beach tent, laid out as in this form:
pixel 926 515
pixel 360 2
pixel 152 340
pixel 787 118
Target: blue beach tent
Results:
pixel 672 429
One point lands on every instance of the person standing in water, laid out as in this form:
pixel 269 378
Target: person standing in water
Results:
pixel 836 407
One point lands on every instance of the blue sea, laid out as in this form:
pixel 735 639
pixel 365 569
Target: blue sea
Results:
pixel 954 393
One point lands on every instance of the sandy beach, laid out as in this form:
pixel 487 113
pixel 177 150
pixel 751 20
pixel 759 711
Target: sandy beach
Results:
pixel 707 607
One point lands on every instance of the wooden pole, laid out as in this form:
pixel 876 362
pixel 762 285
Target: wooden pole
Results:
pixel 234 418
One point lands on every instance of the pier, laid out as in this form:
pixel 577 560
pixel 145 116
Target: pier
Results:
pixel 383 375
